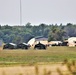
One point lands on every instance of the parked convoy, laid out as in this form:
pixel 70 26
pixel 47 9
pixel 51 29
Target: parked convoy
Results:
pixel 23 46
pixel 38 45
pixel 16 46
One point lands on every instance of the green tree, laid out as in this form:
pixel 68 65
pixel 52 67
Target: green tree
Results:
pixel 17 39
pixel 28 25
pixel 56 33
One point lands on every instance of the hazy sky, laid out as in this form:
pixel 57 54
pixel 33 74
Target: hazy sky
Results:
pixel 38 11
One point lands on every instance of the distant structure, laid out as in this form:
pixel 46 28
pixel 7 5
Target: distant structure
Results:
pixel 20 12
pixel 31 41
pixel 71 41
pixel 1 42
pixel 36 40
pixel 55 43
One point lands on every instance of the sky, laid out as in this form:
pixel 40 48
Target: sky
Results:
pixel 37 12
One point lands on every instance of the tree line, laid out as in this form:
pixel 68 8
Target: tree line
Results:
pixel 17 34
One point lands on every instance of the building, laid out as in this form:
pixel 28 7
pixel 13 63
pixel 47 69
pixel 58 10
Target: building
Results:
pixel 1 42
pixel 54 42
pixel 36 40
pixel 72 41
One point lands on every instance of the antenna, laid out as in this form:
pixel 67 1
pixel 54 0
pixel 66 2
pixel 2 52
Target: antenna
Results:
pixel 20 12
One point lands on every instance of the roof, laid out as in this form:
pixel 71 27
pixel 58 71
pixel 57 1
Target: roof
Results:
pixel 72 39
pixel 31 41
pixel 12 44
pixel 25 43
pixel 36 40
pixel 41 39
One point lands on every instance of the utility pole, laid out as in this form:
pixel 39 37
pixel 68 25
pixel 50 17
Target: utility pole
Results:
pixel 20 12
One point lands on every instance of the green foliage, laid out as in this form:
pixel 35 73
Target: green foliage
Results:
pixel 26 32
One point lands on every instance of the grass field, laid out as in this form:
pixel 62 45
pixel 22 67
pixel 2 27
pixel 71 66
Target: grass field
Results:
pixel 37 62
pixel 31 56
